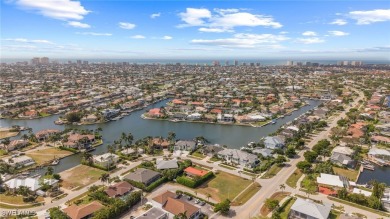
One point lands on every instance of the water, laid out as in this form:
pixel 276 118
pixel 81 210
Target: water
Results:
pixel 381 174
pixel 231 135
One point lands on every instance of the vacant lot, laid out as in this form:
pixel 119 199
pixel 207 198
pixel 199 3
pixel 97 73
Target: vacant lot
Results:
pixel 272 171
pixel 15 199
pixel 7 134
pixel 224 186
pixel 276 196
pixel 45 155
pixel 80 176
pixel 247 194
pixel 350 174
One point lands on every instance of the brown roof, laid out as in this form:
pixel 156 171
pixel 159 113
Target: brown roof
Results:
pixel 78 212
pixel 175 206
pixel 119 189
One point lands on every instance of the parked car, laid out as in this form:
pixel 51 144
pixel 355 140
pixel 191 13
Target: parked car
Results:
pixel 189 198
pixel 197 201
pixel 202 203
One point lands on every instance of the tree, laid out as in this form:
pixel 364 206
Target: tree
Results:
pixel 342 122
pixel 87 157
pixel 280 160
pixel 57 213
pixel 182 215
pixel 290 152
pixel 208 196
pixel 276 215
pixel 49 171
pixel 73 117
pixel 310 156
pixel 342 193
pixel 304 166
pixel 282 187
pixel 23 190
pixel 223 207
pixel 271 203
pixel 378 189
pixel 105 177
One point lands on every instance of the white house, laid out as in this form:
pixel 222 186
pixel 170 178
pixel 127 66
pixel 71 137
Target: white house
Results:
pixel 333 180
pixel 106 159
pixel 306 208
pixel 239 157
pixel 19 162
pixel 31 183
pixel 273 142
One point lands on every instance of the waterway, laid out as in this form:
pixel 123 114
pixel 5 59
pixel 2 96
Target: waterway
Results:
pixel 381 174
pixel 231 135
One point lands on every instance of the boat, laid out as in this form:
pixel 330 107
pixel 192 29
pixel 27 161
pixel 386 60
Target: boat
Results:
pixel 273 121
pixel 116 118
pixel 369 167
pixel 282 116
pixel 55 162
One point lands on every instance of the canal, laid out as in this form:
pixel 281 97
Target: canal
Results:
pixel 231 135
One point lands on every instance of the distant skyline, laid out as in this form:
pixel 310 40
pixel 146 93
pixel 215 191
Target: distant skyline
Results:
pixel 290 30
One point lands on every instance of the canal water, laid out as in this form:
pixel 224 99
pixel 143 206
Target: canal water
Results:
pixel 381 174
pixel 231 135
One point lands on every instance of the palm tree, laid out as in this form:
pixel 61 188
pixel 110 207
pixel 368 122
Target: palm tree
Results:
pixel 208 196
pixel 105 177
pixel 282 187
pixel 182 215
pixel 123 137
pixel 129 138
pixel 49 171
pixel 87 157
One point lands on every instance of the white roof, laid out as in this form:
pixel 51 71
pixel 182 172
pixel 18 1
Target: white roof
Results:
pixel 105 156
pixel 32 183
pixel 377 151
pixel 328 179
pixel 166 164
pixel 312 209
pixel 343 150
pixel 360 191
pixel 294 128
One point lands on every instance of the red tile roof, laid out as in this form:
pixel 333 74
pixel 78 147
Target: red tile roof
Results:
pixel 78 212
pixel 196 172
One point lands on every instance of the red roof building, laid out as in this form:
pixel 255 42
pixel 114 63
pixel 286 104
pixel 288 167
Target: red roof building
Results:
pixel 195 172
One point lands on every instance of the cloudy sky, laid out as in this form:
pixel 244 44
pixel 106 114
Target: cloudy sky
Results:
pixel 196 29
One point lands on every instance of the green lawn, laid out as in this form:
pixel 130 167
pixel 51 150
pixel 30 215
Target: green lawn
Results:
pixel 224 186
pixel 247 194
pixel 294 177
pixel 350 174
pixel 309 184
pixel 360 206
pixel 272 172
pixel 284 211
pixel 16 199
pixel 48 154
pixel 198 155
pixel 80 176
pixel 226 166
pixel 214 159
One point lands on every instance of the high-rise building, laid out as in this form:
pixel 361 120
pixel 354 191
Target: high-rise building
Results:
pixel 356 63
pixel 35 61
pixel 215 63
pixel 345 63
pixel 226 63
pixel 44 61
pixel 85 62
pixel 289 63
pixel 235 63
pixel 78 62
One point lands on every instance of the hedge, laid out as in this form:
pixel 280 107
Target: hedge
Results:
pixel 194 196
pixel 186 181
pixel 68 149
pixel 149 188
pixel 98 166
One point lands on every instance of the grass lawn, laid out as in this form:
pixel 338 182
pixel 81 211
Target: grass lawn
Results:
pixel 214 159
pixel 360 206
pixel 246 194
pixel 3 152
pixel 224 186
pixel 284 212
pixel 197 154
pixel 276 196
pixel 334 214
pixel 16 199
pixel 7 134
pixel 271 172
pixel 350 174
pixel 80 176
pixel 293 179
pixel 226 166
pixel 309 184
pixel 47 154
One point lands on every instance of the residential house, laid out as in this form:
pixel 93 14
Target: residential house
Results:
pixel 19 162
pixel 83 211
pixel 45 134
pixel 31 183
pixel 185 145
pixel 119 189
pixel 334 181
pixel 76 140
pixel 265 152
pixel 160 143
pixel 225 118
pixel 274 142
pixel 343 156
pixel 105 160
pixel 380 156
pixel 308 209
pixel 211 150
pixel 144 176
pixel 193 172
pixel 380 139
pixel 154 213
pixel 89 119
pixel 14 145
pixel 169 203
pixel 238 157
pixel 108 113
pixel 162 164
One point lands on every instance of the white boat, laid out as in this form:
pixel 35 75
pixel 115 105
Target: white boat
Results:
pixel 55 162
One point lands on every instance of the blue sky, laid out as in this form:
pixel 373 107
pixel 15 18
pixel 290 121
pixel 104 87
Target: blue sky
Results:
pixel 196 29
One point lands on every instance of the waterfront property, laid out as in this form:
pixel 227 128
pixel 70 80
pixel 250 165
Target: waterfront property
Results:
pixel 379 156
pixel 19 161
pixel 238 157
pixel 144 176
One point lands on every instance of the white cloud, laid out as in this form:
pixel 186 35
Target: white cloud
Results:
pixel 338 33
pixel 155 15
pixel 127 26
pixel 242 40
pixel 138 37
pixel 310 40
pixel 56 9
pixel 309 33
pixel 23 40
pixel 194 16
pixel 224 20
pixel 339 22
pixel 368 17
pixel 167 38
pixel 214 30
pixel 78 24
pixel 94 33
